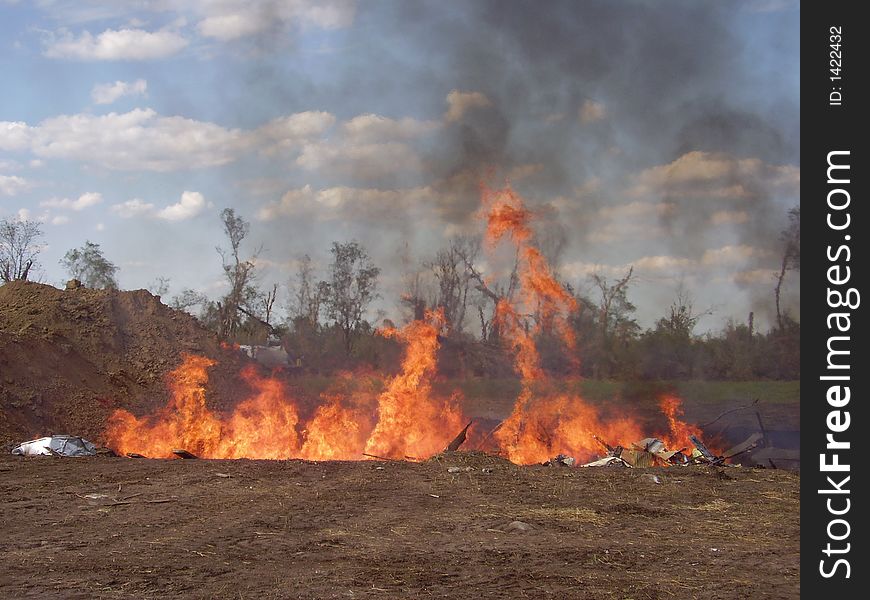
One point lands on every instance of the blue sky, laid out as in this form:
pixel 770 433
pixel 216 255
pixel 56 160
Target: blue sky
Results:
pixel 663 135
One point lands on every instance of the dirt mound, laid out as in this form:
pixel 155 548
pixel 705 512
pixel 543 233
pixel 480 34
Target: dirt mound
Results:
pixel 69 358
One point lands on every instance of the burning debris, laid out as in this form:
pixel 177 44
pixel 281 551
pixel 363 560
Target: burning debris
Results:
pixel 652 452
pixel 406 419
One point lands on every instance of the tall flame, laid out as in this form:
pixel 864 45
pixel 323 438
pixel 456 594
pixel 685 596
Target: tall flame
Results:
pixel 409 419
pixel 544 422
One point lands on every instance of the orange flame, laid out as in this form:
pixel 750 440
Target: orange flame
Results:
pixel 679 439
pixel 406 419
pixel 409 420
pixel 545 423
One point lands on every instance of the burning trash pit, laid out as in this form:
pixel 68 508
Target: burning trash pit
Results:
pixel 390 490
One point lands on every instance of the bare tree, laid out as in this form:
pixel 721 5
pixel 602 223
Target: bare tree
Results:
pixel 160 286
pixel 352 287
pixel 415 296
pixel 187 299
pixel 239 272
pixel 791 256
pixel 454 278
pixel 88 265
pixel 308 295
pixel 682 318
pixel 614 321
pixel 489 293
pixel 19 247
pixel 267 302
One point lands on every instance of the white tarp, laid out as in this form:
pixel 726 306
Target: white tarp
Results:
pixel 63 445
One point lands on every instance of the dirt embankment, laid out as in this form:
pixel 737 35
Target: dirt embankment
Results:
pixel 68 358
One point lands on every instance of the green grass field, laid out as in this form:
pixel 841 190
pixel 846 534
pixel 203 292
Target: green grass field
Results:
pixel 703 401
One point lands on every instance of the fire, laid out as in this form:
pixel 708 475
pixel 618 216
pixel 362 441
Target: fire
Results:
pixel 545 423
pixel 678 438
pixel 406 420
pixel 409 420
pixel 407 414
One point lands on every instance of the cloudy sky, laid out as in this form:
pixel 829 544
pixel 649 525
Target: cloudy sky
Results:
pixel 663 135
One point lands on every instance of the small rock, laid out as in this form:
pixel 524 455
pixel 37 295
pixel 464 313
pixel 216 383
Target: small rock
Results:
pixel 487 471
pixel 454 469
pixel 651 477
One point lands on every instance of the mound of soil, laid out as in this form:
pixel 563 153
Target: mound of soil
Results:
pixel 69 358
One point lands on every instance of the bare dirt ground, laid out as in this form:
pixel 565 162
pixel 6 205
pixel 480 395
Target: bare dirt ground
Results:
pixel 122 528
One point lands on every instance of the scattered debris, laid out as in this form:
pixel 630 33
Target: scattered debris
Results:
pixel 560 460
pixel 607 461
pixel 459 439
pixel 487 471
pixel 727 412
pixel 651 477
pixel 181 453
pixel 56 445
pixel 703 449
pixel 224 475
pixel 380 457
pixel 748 444
pixel 95 496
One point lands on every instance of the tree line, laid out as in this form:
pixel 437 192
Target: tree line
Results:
pixel 328 322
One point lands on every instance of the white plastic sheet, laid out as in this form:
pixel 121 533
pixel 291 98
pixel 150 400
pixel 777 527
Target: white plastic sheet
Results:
pixel 62 445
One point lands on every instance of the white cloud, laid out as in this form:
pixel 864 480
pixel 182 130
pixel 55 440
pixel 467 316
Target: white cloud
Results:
pixel 366 161
pixel 592 111
pixel 370 127
pixel 121 44
pixel 190 205
pixel 106 93
pixel 84 201
pixel 729 217
pixel 662 263
pixel 133 208
pixel 137 140
pixel 731 255
pixel 290 132
pixel 231 26
pixel 714 175
pixel 459 103
pixel 754 276
pixel 60 220
pixel 14 135
pixel 229 20
pixel 12 184
pixel 368 146
pixel 635 209
pixel 348 203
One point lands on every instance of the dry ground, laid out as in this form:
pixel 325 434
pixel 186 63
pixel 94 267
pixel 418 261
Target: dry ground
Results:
pixel 124 528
